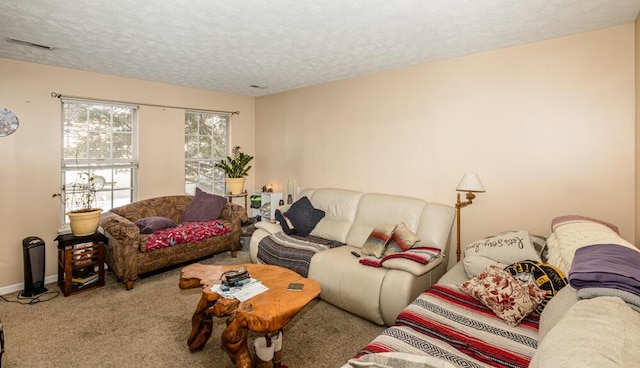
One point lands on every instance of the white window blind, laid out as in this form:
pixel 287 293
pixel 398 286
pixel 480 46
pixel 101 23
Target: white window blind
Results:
pixel 206 142
pixel 100 137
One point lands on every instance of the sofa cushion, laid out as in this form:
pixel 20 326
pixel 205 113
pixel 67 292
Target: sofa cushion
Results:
pixel 473 265
pixel 397 359
pixel 204 207
pixel 346 283
pixel 304 216
pixel 376 243
pixel 375 209
pixel 455 275
pixel 186 232
pixel 402 239
pixel 507 297
pixel 148 225
pixel 543 275
pixel 602 332
pixel 506 248
pixel 555 309
pixel 340 207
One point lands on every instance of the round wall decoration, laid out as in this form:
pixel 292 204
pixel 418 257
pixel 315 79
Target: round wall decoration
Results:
pixel 8 122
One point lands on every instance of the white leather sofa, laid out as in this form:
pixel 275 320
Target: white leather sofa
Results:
pixel 377 294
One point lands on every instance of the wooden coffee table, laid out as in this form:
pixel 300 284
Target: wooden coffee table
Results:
pixel 265 313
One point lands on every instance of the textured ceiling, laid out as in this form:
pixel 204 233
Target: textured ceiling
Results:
pixel 229 45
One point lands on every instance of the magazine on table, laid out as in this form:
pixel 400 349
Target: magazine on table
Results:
pixel 243 292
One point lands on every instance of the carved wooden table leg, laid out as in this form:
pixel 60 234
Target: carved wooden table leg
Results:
pixel 234 342
pixel 210 305
pixel 201 323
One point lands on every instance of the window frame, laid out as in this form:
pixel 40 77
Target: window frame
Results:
pixel 218 176
pixel 70 165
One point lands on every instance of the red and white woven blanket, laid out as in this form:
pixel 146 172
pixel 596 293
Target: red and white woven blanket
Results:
pixel 450 325
pixel 422 255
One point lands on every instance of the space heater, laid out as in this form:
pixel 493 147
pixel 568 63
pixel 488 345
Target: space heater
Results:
pixel 33 252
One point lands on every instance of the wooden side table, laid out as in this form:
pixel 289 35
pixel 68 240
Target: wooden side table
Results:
pixel 80 262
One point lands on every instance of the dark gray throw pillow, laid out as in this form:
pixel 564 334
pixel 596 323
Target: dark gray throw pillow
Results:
pixel 284 223
pixel 149 225
pixel 303 216
pixel 204 207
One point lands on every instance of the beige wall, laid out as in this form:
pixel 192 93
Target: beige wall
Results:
pixel 637 124
pixel 30 172
pixel 549 127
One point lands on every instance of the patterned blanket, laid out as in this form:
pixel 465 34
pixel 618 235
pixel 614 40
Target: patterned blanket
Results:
pixel 448 324
pixel 573 232
pixel 292 251
pixel 422 255
pixel 186 232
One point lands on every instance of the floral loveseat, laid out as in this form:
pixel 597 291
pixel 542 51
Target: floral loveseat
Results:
pixel 591 321
pixel 131 252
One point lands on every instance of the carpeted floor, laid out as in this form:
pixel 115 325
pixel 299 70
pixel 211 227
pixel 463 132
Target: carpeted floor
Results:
pixel 149 325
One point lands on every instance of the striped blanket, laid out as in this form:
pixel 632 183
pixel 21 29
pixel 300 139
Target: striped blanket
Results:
pixel 292 251
pixel 422 255
pixel 446 323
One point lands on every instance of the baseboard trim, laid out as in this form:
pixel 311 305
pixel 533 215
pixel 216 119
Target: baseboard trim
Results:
pixel 18 287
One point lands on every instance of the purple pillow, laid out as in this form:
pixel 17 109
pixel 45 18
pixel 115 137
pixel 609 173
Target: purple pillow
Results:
pixel 149 225
pixel 204 207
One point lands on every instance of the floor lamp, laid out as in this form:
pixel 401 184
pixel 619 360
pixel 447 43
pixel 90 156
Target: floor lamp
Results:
pixel 470 183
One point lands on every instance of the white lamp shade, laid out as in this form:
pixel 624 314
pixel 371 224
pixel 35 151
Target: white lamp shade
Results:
pixel 470 183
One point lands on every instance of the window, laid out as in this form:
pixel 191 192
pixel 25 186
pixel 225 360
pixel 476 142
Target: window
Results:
pixel 100 137
pixel 206 137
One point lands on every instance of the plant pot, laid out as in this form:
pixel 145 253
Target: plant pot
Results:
pixel 235 185
pixel 84 223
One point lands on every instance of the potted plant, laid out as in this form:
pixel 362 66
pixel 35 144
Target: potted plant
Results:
pixel 78 198
pixel 235 169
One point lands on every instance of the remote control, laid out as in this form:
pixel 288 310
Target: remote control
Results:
pixel 355 253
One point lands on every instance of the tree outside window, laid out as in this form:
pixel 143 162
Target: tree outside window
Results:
pixel 206 142
pixel 100 137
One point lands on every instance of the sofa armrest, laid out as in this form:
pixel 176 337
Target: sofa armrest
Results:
pixel 414 268
pixel 263 229
pixel 598 332
pixel 234 213
pixel 118 226
pixel 270 227
pixel 123 246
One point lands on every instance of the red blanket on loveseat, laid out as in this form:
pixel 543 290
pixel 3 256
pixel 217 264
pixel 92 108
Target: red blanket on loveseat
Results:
pixel 186 232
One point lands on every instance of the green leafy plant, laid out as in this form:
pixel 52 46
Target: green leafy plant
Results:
pixel 236 166
pixel 80 195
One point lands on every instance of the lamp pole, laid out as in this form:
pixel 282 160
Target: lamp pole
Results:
pixel 459 205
